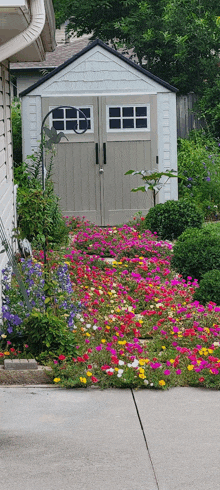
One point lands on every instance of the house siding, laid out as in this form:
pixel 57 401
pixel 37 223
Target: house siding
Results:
pixel 6 162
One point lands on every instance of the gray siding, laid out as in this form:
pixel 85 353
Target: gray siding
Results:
pixel 6 161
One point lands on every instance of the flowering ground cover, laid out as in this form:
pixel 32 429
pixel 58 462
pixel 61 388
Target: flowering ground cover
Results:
pixel 134 320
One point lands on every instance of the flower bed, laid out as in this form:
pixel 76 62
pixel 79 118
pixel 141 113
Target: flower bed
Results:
pixel 138 325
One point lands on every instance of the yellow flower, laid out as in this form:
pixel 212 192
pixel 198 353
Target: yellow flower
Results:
pixel 107 326
pixel 3 336
pixel 121 342
pixel 190 367
pixel 89 373
pixel 88 334
pixel 83 380
pixel 103 341
pixel 116 369
pixel 141 362
pixel 162 382
pixel 141 370
pixel 172 361
pixel 163 347
pixel 210 351
pixel 56 380
pixel 7 353
pixel 146 360
pixel 142 376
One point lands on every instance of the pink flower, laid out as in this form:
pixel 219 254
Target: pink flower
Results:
pixel 166 372
pixel 61 357
pixel 178 371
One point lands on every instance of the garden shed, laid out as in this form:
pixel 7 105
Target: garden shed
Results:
pixel 131 125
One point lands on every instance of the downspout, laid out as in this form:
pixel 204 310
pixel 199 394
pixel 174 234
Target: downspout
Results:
pixel 29 35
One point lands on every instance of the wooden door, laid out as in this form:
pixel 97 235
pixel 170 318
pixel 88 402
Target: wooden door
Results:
pixel 75 169
pixel 126 143
pixel 89 170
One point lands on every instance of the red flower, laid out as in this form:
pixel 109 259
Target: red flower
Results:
pixel 94 379
pixel 61 357
pixel 85 357
pixel 90 366
pixel 201 380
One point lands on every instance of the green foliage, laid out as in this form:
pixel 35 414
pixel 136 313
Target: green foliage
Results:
pixel 196 252
pixel 209 288
pixel 171 218
pixel 46 334
pixel 152 180
pixel 199 163
pixel 162 33
pixel 16 131
pixel 39 216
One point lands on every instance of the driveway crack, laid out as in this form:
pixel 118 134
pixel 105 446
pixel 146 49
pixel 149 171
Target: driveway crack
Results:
pixel 145 439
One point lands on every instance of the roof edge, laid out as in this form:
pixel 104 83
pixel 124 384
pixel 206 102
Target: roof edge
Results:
pixel 98 42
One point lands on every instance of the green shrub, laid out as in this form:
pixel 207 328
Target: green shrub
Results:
pixel 171 218
pixel 209 288
pixel 199 163
pixel 39 216
pixel 46 334
pixel 16 131
pixel 196 252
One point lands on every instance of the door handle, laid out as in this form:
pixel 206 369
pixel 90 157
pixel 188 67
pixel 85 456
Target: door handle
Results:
pixel 97 153
pixel 104 153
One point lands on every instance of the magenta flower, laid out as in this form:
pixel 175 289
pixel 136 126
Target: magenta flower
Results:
pixel 166 372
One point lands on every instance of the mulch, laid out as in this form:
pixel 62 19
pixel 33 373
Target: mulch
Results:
pixel 32 377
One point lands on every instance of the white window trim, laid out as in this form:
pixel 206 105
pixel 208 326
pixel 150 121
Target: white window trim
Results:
pixel 71 131
pixel 127 130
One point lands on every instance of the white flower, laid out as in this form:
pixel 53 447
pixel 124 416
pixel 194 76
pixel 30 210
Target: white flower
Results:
pixel 110 370
pixel 120 371
pixel 95 327
pixel 129 364
pixel 88 325
pixel 216 344
pixel 135 363
pixel 121 363
pixel 151 384
pixel 146 382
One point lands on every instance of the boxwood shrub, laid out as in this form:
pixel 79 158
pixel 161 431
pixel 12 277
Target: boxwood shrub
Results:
pixel 209 288
pixel 171 218
pixel 196 252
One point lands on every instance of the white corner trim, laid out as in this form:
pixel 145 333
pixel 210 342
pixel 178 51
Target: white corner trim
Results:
pixel 29 35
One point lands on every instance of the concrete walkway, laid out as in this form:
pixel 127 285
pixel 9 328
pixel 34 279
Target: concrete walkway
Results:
pixel 56 439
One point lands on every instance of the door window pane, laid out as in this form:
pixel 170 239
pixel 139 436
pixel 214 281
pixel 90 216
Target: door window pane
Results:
pixel 57 114
pixel 115 123
pixel 71 124
pixel 141 111
pixel 114 112
pixel 85 111
pixel 128 111
pixel 128 123
pixel 58 125
pixel 71 113
pixel 83 124
pixel 141 123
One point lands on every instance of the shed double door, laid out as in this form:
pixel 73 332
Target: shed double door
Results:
pixel 90 168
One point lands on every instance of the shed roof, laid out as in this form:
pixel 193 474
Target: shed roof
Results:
pixel 98 42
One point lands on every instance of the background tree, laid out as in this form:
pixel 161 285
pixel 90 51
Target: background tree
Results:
pixel 177 40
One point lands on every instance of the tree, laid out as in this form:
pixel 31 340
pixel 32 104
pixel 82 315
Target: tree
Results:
pixel 177 40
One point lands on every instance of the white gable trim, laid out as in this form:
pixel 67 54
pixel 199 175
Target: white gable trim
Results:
pixel 98 71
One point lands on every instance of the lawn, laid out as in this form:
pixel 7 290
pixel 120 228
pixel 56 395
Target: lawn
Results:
pixel 133 320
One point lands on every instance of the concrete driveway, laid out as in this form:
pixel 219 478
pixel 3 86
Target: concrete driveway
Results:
pixel 89 439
